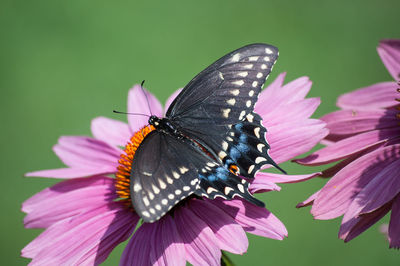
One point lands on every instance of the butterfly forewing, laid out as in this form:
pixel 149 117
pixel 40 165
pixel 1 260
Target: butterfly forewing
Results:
pixel 223 94
pixel 226 91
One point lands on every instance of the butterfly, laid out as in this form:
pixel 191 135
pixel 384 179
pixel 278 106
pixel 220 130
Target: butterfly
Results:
pixel 210 142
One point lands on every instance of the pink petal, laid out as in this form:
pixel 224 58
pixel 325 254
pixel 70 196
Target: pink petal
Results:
pixel 336 196
pixel 348 122
pixel 85 152
pixel 331 171
pixel 296 90
pixel 264 182
pixel 353 227
pixel 167 246
pixel 254 219
pixel 389 51
pixel 274 96
pixel 137 103
pixel 308 201
pixel 259 185
pixel 287 113
pixel 171 99
pixel 383 188
pixel 85 239
pixel 380 95
pixel 60 201
pixel 111 131
pixel 199 240
pixel 56 231
pixel 394 225
pixel 292 139
pixel 274 88
pixel 279 178
pixel 230 235
pixel 137 252
pixel 348 147
pixel 71 173
pixel 63 187
pixel 326 142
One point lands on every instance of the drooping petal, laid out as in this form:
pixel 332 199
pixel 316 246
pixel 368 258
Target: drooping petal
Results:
pixel 353 225
pixel 264 182
pixel 394 225
pixel 84 239
pixel 111 131
pixel 348 122
pixel 259 185
pixel 331 171
pixel 279 178
pixel 292 139
pixel 389 51
pixel 67 199
pixel 167 246
pixel 85 152
pixel 137 251
pixel 171 99
pixel 137 103
pixel 308 201
pixel 230 235
pixel 56 231
pixel 63 187
pixel 348 147
pixel 254 219
pixel 200 242
pixel 380 95
pixel 340 191
pixel 383 188
pixel 71 173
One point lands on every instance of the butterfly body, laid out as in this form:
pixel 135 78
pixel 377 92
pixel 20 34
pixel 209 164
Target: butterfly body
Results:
pixel 210 139
pixel 165 125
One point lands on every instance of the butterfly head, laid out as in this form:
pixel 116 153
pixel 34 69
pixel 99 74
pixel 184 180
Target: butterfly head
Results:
pixel 165 125
pixel 154 121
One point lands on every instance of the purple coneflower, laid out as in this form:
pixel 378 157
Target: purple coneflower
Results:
pixel 365 136
pixel 88 215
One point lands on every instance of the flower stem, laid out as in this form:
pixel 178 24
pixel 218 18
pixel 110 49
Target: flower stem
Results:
pixel 225 260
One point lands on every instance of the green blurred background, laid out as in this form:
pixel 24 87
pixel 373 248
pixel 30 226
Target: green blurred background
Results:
pixel 63 63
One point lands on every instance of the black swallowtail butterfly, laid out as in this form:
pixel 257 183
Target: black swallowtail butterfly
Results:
pixel 210 139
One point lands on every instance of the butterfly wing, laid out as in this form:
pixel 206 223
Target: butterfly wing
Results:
pixel 246 147
pixel 226 91
pixel 163 173
pixel 166 170
pixel 215 113
pixel 224 95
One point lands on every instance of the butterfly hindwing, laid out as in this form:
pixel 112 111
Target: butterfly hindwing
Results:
pixel 164 172
pixel 217 181
pixel 246 147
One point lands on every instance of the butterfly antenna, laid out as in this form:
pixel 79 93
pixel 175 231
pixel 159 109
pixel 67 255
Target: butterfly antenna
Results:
pixel 125 113
pixel 145 95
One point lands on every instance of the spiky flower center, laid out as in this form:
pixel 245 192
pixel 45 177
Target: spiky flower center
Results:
pixel 123 175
